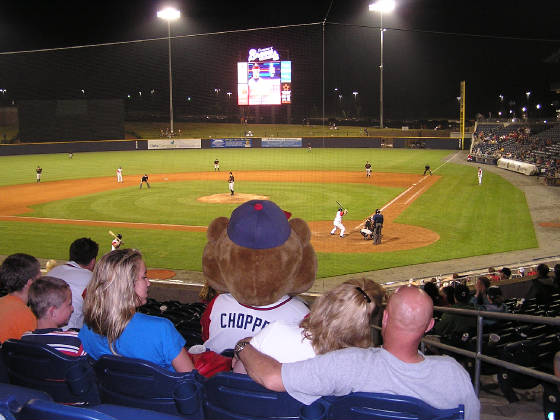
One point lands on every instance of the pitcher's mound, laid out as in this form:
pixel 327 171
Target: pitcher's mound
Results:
pixel 228 198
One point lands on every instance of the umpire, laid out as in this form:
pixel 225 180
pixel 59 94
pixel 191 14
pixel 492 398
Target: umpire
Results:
pixel 377 227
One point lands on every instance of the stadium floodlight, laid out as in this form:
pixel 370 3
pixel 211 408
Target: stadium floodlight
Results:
pixel 381 7
pixel 169 14
pixel 538 106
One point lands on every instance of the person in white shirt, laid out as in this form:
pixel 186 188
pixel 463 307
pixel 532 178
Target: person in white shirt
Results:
pixel 77 273
pixel 338 319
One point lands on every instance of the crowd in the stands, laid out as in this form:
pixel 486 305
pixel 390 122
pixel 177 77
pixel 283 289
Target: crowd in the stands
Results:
pixel 94 307
pixel 517 142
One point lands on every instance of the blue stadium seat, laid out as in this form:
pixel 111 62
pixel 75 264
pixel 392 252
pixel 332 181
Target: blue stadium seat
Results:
pixel 69 380
pixel 48 410
pixel 368 406
pixel 142 384
pixel 234 396
pixel 13 398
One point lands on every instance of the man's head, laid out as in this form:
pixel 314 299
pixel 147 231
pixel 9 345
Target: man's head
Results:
pixel 462 293
pixel 83 251
pixel 506 273
pixel 408 315
pixel 50 299
pixel 542 270
pixel 17 270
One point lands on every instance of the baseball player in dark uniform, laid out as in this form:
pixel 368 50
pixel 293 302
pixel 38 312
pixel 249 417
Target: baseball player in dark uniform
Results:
pixel 427 169
pixel 368 169
pixel 39 171
pixel 377 227
pixel 367 231
pixel 144 179
pixel 216 165
pixel 231 182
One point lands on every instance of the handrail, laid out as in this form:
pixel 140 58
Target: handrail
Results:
pixel 478 356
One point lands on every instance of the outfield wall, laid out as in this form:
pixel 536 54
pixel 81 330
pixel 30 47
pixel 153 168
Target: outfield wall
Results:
pixel 240 142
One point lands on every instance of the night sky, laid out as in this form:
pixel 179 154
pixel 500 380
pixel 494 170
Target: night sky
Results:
pixel 430 45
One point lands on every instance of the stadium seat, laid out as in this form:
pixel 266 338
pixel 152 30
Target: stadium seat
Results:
pixel 233 396
pixel 523 353
pixel 368 406
pixel 69 380
pixel 142 384
pixel 48 410
pixel 13 398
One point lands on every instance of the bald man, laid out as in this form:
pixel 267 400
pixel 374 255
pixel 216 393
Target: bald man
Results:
pixel 396 368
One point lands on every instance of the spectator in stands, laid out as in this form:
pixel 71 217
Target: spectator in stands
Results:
pixel 451 327
pixel 556 278
pixel 17 273
pixel 396 368
pixel 505 273
pixel 433 291
pixel 495 303
pixel 448 293
pixel 338 319
pixel 493 274
pixel 481 286
pixel 77 273
pixel 542 286
pixel 111 324
pixel 50 299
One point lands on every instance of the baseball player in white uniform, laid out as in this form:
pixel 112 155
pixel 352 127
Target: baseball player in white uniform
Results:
pixel 479 175
pixel 225 321
pixel 338 222
pixel 119 174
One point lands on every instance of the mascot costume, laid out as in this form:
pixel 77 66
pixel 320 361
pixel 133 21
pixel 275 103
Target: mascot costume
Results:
pixel 257 260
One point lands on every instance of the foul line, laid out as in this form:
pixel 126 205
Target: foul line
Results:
pixel 400 195
pixel 101 222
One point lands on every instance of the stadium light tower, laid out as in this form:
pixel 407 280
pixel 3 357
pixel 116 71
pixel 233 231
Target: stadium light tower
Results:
pixel 381 6
pixel 169 14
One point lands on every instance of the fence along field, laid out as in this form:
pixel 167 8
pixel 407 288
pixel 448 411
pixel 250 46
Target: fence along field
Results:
pixel 467 219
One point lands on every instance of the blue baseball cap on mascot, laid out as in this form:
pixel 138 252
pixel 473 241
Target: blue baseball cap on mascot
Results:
pixel 259 224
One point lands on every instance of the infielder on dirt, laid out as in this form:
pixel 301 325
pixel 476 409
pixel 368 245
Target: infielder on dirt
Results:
pixel 338 222
pixel 119 174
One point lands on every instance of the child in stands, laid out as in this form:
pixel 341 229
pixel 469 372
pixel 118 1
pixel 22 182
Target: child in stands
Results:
pixel 50 299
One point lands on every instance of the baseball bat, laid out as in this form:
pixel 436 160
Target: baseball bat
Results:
pixel 340 205
pixel 112 234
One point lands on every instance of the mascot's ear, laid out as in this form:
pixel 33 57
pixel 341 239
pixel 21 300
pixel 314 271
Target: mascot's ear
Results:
pixel 216 228
pixel 300 227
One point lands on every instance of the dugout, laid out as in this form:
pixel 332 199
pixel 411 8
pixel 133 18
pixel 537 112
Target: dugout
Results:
pixel 70 120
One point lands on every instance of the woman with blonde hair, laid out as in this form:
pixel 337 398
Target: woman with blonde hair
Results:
pixel 111 324
pixel 338 319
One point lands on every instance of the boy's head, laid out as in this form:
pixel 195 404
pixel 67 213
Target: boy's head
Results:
pixel 17 270
pixel 50 299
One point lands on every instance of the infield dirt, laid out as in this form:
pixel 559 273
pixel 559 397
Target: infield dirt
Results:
pixel 17 199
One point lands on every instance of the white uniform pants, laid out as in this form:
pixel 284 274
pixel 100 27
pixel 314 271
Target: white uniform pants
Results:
pixel 339 226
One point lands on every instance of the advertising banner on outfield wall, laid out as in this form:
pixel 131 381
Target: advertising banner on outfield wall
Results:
pixel 230 143
pixel 174 144
pixel 281 142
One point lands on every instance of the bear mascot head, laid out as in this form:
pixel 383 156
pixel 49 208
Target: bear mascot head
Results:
pixel 258 255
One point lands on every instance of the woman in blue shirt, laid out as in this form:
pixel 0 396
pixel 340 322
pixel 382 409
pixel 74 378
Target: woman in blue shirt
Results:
pixel 111 324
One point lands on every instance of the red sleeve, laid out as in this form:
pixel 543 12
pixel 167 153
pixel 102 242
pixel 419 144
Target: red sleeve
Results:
pixel 205 319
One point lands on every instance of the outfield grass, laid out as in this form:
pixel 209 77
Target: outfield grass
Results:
pixel 470 219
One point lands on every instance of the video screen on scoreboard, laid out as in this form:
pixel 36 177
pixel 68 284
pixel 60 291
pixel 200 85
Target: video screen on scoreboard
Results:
pixel 264 83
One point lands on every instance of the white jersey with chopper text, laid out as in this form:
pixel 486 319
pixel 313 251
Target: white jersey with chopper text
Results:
pixel 225 321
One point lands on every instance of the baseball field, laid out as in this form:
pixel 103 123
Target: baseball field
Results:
pixel 427 218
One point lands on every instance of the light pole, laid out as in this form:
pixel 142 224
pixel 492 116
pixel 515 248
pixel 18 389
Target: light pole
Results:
pixel 169 14
pixel 381 6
